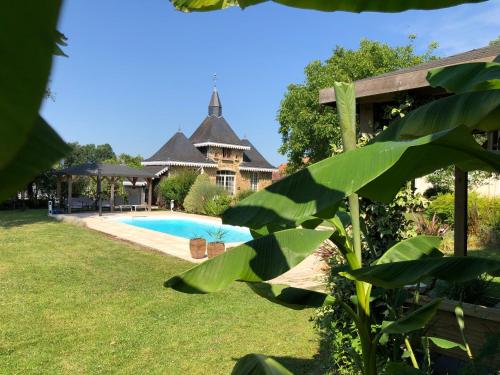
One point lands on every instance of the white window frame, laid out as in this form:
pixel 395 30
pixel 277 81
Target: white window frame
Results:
pixel 225 179
pixel 254 181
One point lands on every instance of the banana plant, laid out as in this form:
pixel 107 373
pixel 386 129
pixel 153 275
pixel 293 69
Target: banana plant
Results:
pixel 323 5
pixel 285 217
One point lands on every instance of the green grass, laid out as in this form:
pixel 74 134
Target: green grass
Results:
pixel 74 301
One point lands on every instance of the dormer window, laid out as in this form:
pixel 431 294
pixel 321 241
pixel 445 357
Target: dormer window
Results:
pixel 226 153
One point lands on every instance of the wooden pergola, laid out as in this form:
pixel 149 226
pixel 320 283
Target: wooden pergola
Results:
pixel 100 171
pixel 384 89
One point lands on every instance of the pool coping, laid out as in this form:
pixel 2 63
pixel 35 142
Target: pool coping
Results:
pixel 309 274
pixel 110 224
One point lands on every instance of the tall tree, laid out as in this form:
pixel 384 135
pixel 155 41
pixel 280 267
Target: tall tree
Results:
pixel 309 130
pixel 89 153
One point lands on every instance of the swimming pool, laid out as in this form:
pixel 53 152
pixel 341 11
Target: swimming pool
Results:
pixel 190 228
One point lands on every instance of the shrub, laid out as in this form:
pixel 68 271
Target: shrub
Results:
pixel 483 215
pixel 430 227
pixel 217 205
pixel 243 194
pixel 175 187
pixel 387 224
pixel 201 191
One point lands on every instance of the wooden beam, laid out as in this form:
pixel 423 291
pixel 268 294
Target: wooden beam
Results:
pixel 391 83
pixel 460 233
pixel 58 192
pixel 150 192
pixel 112 193
pixel 99 189
pixel 70 192
pixel 366 119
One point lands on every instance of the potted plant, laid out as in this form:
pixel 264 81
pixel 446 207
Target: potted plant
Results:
pixel 197 247
pixel 216 246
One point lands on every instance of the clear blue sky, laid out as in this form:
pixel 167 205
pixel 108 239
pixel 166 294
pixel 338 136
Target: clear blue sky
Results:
pixel 137 70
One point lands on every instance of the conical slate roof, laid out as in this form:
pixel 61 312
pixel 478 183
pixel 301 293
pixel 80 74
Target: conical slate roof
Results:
pixel 178 149
pixel 253 158
pixel 215 130
pixel 215 107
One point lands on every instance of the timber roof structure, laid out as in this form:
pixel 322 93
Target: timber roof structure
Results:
pixel 105 170
pixel 382 88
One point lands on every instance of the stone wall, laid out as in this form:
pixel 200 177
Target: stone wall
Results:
pixel 243 180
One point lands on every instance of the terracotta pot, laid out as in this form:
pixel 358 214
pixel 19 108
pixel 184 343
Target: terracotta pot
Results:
pixel 197 247
pixel 215 248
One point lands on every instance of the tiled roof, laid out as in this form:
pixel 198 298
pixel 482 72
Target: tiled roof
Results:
pixel 253 158
pixel 215 129
pixel 178 149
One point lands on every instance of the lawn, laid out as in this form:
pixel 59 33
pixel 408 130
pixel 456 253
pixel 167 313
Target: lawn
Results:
pixel 75 301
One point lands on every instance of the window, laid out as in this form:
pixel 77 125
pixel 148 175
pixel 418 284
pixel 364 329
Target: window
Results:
pixel 225 179
pixel 254 181
pixel 226 153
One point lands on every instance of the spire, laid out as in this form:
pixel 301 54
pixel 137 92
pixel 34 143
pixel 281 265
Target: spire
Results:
pixel 214 107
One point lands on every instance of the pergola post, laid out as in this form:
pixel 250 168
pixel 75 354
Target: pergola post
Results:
pixel 58 192
pixel 112 193
pixel 70 192
pixel 150 192
pixel 366 119
pixel 99 188
pixel 460 233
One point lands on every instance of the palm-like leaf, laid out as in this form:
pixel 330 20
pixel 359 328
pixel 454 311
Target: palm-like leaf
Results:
pixel 476 110
pixel 258 364
pixel 42 147
pixel 417 319
pixel 295 298
pixel 466 77
pixel 27 144
pixel 324 5
pixel 399 274
pixel 376 171
pixel 413 248
pixel 261 259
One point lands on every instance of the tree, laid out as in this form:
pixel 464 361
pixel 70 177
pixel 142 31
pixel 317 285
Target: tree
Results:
pixel 175 187
pixel 309 130
pixel 130 160
pixel 89 153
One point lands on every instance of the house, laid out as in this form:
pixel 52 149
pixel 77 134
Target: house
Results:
pixel 214 148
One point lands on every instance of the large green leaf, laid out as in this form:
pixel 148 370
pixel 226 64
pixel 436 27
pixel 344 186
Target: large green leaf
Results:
pixel 40 150
pixel 412 249
pixel 376 171
pixel 445 344
pixel 324 5
pixel 258 364
pixel 399 274
pixel 28 37
pixel 261 259
pixel 475 110
pixel 411 322
pixel 466 77
pixel 295 298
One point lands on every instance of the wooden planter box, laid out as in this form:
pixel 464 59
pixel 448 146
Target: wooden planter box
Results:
pixel 480 322
pixel 215 248
pixel 197 247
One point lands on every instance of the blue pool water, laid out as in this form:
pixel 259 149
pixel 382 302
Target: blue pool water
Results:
pixel 189 228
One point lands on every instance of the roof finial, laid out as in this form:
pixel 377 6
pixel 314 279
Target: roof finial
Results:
pixel 214 79
pixel 179 130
